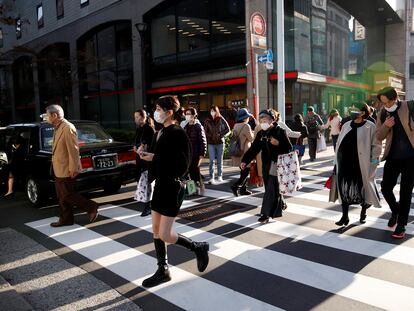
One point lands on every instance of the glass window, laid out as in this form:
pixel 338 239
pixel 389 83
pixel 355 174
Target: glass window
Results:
pixel 90 55
pixel 123 36
pixel 40 21
pixel 1 37
pixel 163 32
pixel 84 2
pixel 106 48
pixel 193 25
pixel 18 28
pixel 411 67
pixel 59 8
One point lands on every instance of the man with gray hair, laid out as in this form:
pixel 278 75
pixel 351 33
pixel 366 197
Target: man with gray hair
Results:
pixel 66 166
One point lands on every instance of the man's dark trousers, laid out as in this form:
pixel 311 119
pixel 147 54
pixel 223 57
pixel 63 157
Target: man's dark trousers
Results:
pixel 392 169
pixel 68 198
pixel 312 147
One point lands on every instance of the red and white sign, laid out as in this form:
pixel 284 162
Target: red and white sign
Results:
pixel 258 31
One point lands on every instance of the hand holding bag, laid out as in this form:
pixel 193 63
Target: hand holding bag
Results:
pixel 287 171
pixel 190 187
pixel 145 189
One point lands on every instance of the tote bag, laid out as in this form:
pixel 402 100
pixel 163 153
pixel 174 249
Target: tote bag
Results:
pixel 287 171
pixel 144 189
pixel 321 144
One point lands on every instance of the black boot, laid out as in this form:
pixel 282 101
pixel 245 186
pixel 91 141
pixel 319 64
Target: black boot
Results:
pixel 235 189
pixel 162 274
pixel 344 221
pixel 363 215
pixel 147 209
pixel 200 249
pixel 243 191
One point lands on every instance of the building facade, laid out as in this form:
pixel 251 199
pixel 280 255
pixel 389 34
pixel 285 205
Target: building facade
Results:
pixel 101 60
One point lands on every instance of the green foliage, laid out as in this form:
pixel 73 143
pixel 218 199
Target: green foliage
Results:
pixel 126 136
pixel 226 145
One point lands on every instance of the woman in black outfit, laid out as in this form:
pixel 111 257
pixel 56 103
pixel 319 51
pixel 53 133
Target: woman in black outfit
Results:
pixel 143 137
pixel 298 125
pixel 271 141
pixel 170 162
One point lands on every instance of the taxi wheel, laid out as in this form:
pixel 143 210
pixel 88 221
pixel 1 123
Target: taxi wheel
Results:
pixel 34 192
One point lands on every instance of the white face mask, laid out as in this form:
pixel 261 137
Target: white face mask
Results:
pixel 188 118
pixel 392 108
pixel 158 118
pixel 264 126
pixel 213 114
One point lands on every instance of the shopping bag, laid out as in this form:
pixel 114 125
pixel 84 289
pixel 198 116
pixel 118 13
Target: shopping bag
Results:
pixel 190 187
pixel 287 172
pixel 333 192
pixel 321 144
pixel 254 178
pixel 328 183
pixel 300 149
pixel 145 189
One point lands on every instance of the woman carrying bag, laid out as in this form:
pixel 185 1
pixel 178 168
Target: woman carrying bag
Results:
pixel 298 125
pixel 170 162
pixel 143 138
pixel 357 158
pixel 272 141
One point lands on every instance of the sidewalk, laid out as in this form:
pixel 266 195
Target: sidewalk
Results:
pixel 34 278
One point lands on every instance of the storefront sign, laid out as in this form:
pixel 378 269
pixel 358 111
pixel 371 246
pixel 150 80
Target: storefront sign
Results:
pixel 382 80
pixel 359 31
pixel 320 4
pixel 258 31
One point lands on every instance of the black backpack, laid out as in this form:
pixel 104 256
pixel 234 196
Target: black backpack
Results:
pixel 410 105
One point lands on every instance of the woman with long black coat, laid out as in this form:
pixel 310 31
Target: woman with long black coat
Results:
pixel 170 158
pixel 143 138
pixel 271 141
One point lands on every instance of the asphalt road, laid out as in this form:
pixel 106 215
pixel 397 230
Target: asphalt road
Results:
pixel 301 261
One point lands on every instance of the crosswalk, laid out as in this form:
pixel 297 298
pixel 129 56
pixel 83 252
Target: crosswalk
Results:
pixel 300 261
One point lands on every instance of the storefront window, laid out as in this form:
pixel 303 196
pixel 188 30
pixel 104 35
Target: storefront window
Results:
pixel 163 30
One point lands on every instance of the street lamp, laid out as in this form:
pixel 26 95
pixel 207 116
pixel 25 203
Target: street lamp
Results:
pixel 142 28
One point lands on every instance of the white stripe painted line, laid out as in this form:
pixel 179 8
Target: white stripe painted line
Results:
pixel 186 290
pixel 334 280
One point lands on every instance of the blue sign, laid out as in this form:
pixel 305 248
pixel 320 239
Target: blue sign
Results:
pixel 261 59
pixel 269 55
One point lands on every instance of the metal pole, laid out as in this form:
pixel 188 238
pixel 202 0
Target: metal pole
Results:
pixel 280 18
pixel 257 84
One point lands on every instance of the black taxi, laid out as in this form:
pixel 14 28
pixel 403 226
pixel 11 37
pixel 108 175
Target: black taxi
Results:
pixel 106 164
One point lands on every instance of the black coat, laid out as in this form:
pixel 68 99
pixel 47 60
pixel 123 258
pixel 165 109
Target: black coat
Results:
pixel 298 126
pixel 172 154
pixel 269 151
pixel 197 138
pixel 143 135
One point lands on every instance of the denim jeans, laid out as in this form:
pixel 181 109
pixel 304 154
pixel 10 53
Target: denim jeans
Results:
pixel 216 152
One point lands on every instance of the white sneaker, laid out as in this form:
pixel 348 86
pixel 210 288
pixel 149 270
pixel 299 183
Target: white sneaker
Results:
pixel 212 181
pixel 220 179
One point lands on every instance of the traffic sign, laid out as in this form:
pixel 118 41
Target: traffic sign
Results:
pixel 269 55
pixel 262 59
pixel 269 65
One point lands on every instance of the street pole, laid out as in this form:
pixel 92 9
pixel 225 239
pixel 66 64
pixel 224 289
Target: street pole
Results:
pixel 256 67
pixel 280 59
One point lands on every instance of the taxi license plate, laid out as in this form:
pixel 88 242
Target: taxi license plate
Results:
pixel 104 162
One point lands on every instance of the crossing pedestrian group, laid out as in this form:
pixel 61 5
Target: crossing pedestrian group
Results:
pixel 269 149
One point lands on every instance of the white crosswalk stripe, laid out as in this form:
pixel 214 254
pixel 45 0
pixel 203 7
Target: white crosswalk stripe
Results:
pixel 354 288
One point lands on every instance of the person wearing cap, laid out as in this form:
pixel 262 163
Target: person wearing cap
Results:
pixel 313 121
pixel 395 124
pixel 244 132
pixel 334 123
pixel 357 156
pixel 272 141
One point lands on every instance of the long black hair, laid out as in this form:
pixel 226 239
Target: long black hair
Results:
pixel 143 114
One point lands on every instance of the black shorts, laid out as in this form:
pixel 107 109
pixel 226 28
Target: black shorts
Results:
pixel 167 197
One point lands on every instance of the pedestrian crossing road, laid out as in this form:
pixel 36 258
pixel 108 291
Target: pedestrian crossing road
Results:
pixel 300 261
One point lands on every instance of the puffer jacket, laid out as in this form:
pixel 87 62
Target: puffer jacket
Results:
pixel 197 138
pixel 216 130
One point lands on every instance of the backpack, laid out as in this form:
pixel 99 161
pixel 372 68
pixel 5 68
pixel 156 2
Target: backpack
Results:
pixel 410 105
pixel 235 148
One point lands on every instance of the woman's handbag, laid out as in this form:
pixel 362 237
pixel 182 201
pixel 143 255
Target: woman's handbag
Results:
pixel 300 149
pixel 254 178
pixel 145 189
pixel 333 192
pixel 287 171
pixel 328 183
pixel 190 187
pixel 321 144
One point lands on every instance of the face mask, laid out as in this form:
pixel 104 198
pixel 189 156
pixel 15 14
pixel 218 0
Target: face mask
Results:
pixel 354 115
pixel 392 108
pixel 158 118
pixel 264 126
pixel 213 114
pixel 188 118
